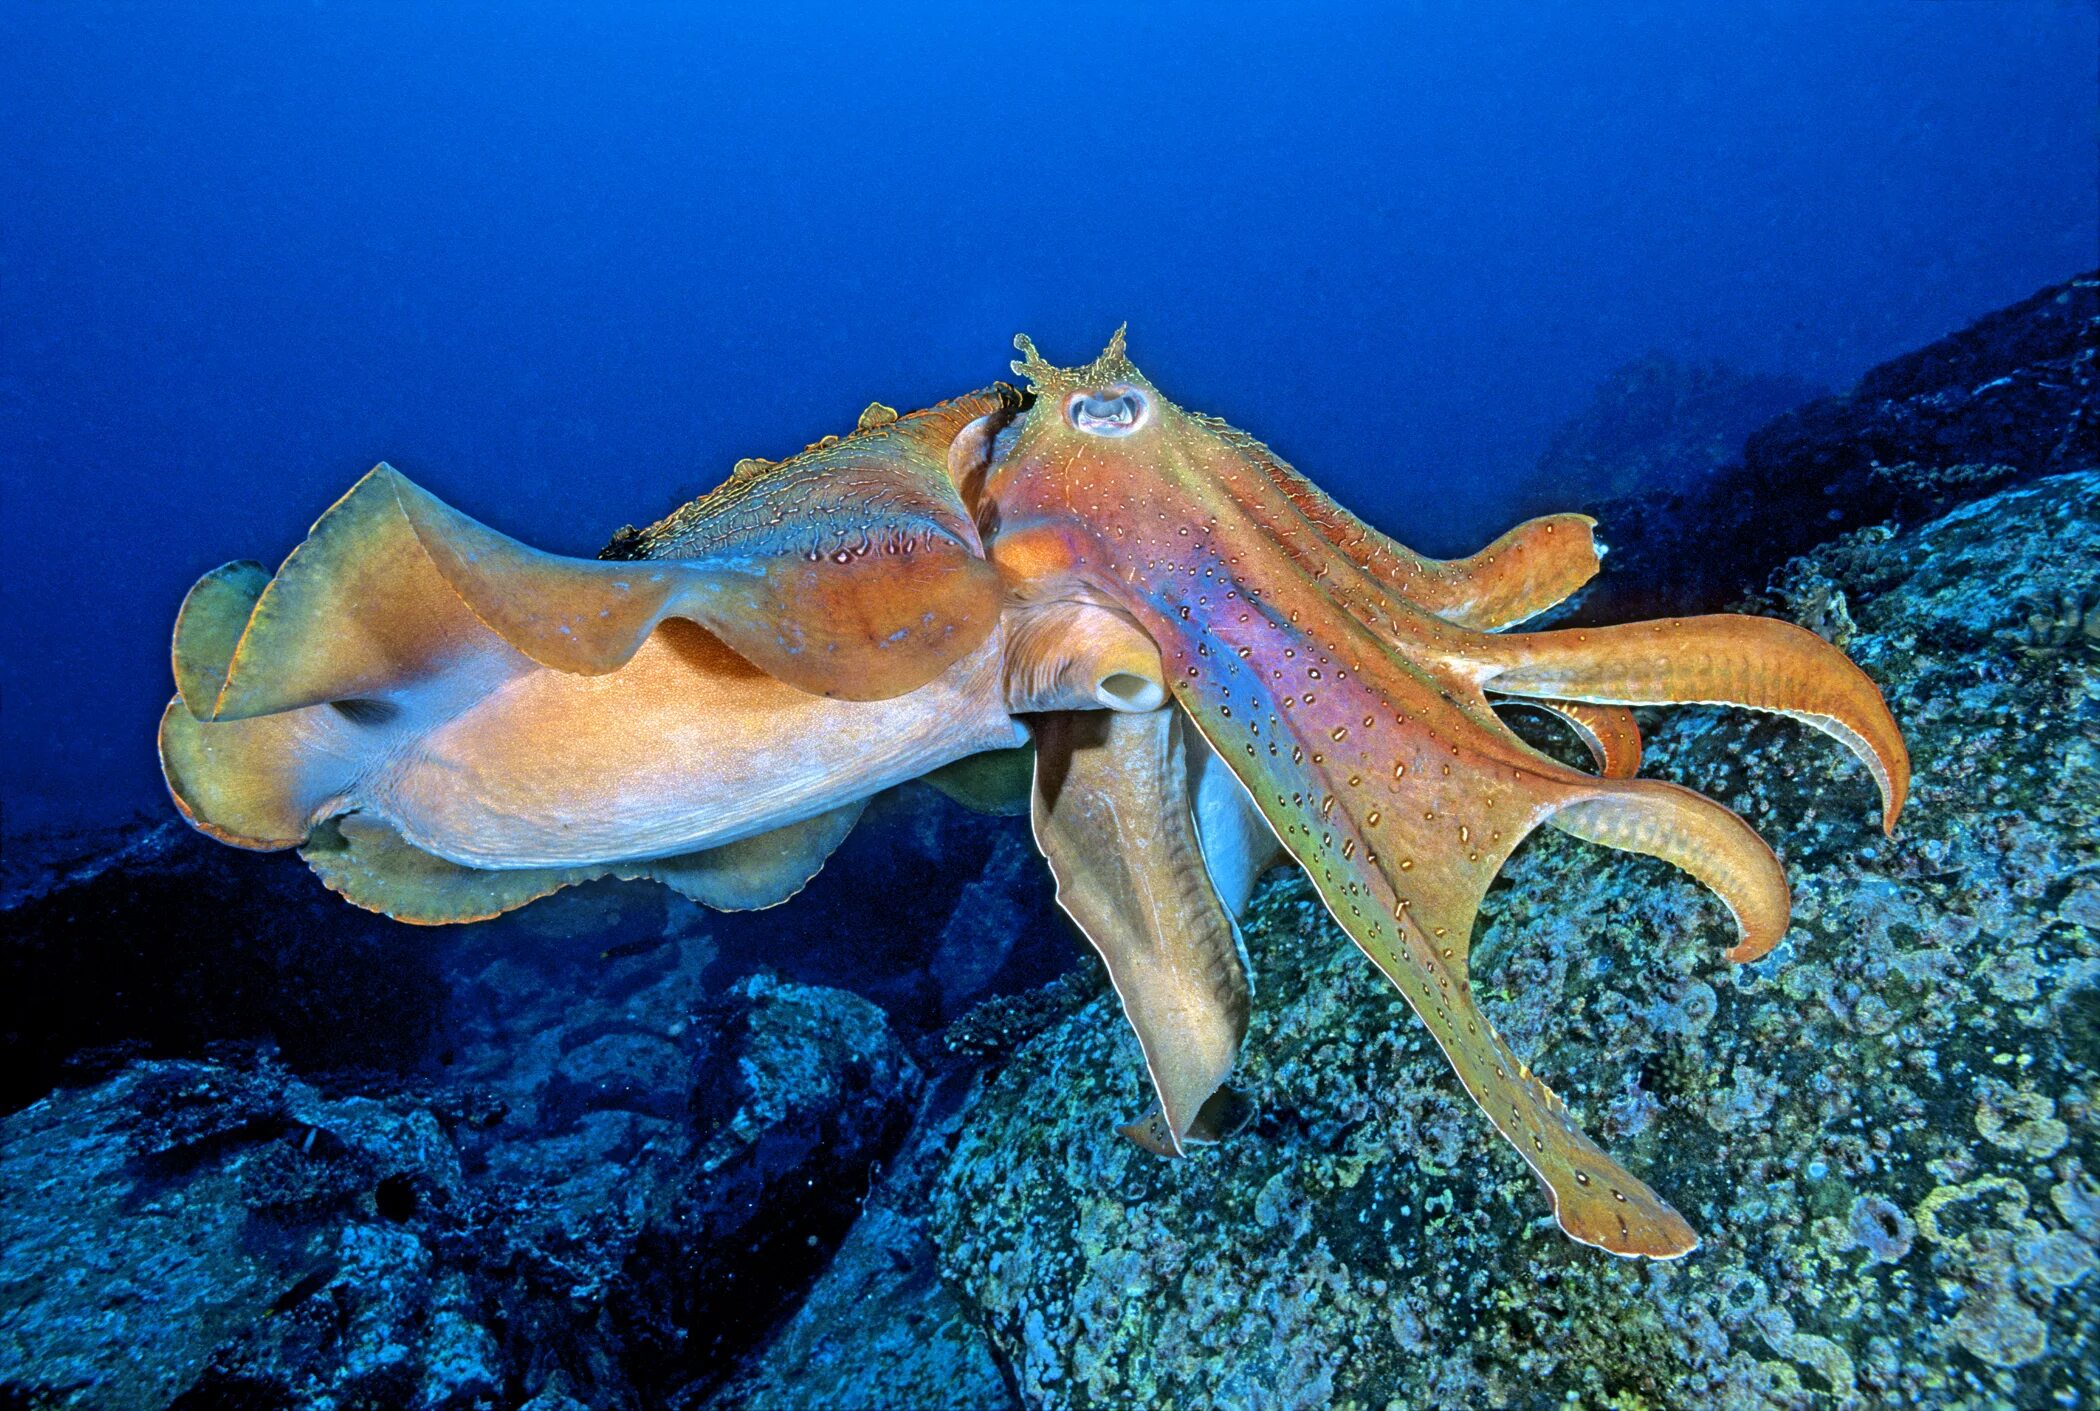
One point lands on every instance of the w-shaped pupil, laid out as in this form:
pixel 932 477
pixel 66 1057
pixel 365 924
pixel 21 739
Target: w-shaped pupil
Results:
pixel 1114 415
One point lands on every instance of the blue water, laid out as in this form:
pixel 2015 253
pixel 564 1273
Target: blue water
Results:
pixel 565 263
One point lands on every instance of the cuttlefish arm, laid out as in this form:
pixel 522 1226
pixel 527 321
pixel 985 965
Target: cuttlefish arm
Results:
pixel 1152 858
pixel 1756 662
pixel 1385 585
pixel 1528 569
pixel 1114 816
pixel 1608 732
pixel 1360 728
pixel 477 704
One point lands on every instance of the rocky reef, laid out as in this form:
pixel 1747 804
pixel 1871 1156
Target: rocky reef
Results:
pixel 1657 421
pixel 300 1156
pixel 258 1149
pixel 1888 1130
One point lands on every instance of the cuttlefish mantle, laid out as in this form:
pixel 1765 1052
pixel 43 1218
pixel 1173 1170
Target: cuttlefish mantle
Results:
pixel 1133 623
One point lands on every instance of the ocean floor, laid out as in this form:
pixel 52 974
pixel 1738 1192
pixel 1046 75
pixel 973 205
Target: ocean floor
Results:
pixel 260 1150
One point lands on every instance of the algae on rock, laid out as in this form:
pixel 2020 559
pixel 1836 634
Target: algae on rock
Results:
pixel 1885 1129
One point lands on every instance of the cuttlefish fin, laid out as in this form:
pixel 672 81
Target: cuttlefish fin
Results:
pixel 366 862
pixel 1608 732
pixel 1522 573
pixel 208 628
pixel 256 784
pixel 1114 817
pixel 258 795
pixel 861 599
pixel 358 611
pixel 756 872
pixel 852 570
pixel 1757 662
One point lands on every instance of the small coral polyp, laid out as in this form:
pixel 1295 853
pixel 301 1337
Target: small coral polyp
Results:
pixel 1217 667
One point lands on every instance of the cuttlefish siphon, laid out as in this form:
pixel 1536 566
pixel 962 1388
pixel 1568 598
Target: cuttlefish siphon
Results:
pixel 1133 622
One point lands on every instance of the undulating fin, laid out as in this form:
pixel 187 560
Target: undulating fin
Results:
pixel 997 782
pixel 852 570
pixel 1525 571
pixel 1608 732
pixel 1114 818
pixel 754 873
pixel 208 628
pixel 365 860
pixel 1758 662
pixel 252 783
pixel 357 611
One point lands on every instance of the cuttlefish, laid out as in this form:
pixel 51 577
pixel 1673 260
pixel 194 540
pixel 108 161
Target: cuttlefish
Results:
pixel 1142 627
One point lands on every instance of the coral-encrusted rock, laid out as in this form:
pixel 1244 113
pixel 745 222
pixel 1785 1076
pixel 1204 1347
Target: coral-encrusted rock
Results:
pixel 159 1230
pixel 2010 398
pixel 879 1329
pixel 1885 1130
pixel 627 1181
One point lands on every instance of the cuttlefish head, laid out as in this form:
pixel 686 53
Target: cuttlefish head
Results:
pixel 1345 682
pixel 1073 466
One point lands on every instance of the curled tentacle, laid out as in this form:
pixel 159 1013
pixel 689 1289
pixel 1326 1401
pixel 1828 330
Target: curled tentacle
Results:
pixel 1608 732
pixel 1758 662
pixel 1690 831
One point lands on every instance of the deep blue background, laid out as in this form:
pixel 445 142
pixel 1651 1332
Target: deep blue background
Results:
pixel 565 263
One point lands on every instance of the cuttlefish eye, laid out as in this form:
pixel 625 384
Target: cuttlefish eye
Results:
pixel 1115 411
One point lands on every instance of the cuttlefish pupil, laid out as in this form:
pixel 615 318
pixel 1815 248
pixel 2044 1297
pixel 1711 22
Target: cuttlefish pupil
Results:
pixel 1115 412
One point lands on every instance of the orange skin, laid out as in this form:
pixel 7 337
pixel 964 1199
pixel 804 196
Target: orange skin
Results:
pixel 1310 654
pixel 450 723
